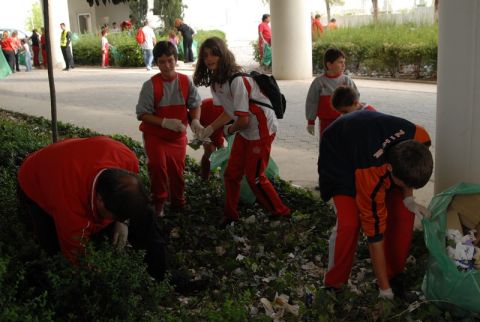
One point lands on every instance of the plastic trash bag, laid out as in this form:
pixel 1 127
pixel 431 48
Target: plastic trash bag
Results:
pixel 267 55
pixel 443 281
pixel 219 159
pixel 4 67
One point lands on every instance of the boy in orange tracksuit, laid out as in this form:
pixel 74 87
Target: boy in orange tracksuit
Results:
pixel 318 102
pixel 164 105
pixel 347 99
pixel 371 162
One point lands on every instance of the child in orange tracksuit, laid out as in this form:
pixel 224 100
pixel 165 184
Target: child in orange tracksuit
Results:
pixel 347 99
pixel 254 124
pixel 164 104
pixel 210 112
pixel 318 102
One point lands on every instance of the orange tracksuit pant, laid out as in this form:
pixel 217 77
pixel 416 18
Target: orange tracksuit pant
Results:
pixel 344 238
pixel 250 158
pixel 166 162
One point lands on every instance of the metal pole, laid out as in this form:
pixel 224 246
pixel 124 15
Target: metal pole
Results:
pixel 51 81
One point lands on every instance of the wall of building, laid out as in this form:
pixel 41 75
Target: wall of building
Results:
pixel 76 7
pixel 111 13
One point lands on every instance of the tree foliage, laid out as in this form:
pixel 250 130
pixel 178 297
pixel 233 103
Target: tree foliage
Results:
pixel 331 3
pixel 97 2
pixel 169 10
pixel 139 9
pixel 35 19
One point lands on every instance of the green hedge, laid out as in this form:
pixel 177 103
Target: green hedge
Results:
pixel 380 49
pixel 124 51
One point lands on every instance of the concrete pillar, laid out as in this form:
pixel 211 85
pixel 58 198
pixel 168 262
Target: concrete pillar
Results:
pixel 457 156
pixel 58 13
pixel 291 39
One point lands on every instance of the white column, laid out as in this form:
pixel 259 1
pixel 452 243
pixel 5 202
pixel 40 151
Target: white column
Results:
pixel 58 13
pixel 291 39
pixel 457 156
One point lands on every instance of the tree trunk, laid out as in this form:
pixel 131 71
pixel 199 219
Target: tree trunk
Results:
pixel 375 10
pixel 327 4
pixel 436 9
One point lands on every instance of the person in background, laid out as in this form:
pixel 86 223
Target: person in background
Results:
pixel 28 55
pixel 147 46
pixel 17 45
pixel 115 27
pixel 255 125
pixel 332 24
pixel 65 41
pixel 172 38
pixel 8 50
pixel 165 103
pixel 43 44
pixel 187 35
pixel 371 162
pixel 105 47
pixel 35 38
pixel 317 27
pixel 264 35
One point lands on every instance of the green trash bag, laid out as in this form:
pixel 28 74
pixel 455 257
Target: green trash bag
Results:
pixel 219 159
pixel 443 281
pixel 21 59
pixel 267 55
pixel 4 67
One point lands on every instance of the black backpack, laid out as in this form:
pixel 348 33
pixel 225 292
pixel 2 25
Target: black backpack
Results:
pixel 269 87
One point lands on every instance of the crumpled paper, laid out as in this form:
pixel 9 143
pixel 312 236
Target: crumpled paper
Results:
pixel 279 307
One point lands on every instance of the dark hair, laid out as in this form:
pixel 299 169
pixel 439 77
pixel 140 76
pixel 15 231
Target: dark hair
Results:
pixel 331 55
pixel 226 64
pixel 123 194
pixel 317 16
pixel 265 16
pixel 164 48
pixel 344 96
pixel 411 162
pixel 333 20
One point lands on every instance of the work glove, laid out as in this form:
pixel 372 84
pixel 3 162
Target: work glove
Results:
pixel 173 124
pixel 419 210
pixel 386 294
pixel 311 129
pixel 120 234
pixel 196 126
pixel 225 130
pixel 205 133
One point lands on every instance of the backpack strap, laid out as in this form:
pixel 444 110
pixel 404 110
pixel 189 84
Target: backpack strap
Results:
pixel 183 83
pixel 157 82
pixel 157 89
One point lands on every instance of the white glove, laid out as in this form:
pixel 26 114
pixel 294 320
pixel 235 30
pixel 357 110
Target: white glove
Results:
pixel 205 133
pixel 311 129
pixel 386 294
pixel 196 126
pixel 173 124
pixel 419 210
pixel 120 234
pixel 225 130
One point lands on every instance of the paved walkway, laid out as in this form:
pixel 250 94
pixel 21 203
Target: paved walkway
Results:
pixel 104 100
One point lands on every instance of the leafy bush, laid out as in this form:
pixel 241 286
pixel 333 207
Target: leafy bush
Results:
pixel 380 49
pixel 124 50
pixel 256 258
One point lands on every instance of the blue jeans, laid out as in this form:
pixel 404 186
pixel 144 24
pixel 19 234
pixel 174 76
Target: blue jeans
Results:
pixel 148 57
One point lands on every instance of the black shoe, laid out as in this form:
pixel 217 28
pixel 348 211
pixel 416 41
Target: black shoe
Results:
pixel 66 69
pixel 317 188
pixel 183 284
pixel 398 288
